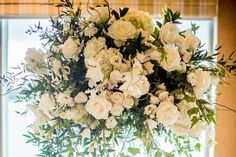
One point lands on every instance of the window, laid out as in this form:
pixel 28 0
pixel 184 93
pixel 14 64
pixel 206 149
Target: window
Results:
pixel 14 43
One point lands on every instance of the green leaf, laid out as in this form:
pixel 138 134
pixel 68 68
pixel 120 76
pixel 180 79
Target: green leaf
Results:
pixel 123 11
pixel 192 111
pixel 134 151
pixel 198 146
pixel 194 121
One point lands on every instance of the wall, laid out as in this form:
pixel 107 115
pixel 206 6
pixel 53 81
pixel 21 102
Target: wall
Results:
pixel 226 130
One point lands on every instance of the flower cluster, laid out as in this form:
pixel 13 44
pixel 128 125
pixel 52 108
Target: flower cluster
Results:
pixel 114 74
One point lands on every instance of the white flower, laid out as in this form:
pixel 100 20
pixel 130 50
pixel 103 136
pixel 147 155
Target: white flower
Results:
pixel 90 31
pixel 77 113
pixel 71 49
pixel 115 76
pixel 81 97
pixel 93 145
pixel 140 19
pixel 201 80
pixel 94 72
pixel 135 85
pixel 168 33
pixel 65 99
pixel 98 106
pixel 151 123
pixel 121 30
pixel 149 67
pixel 99 15
pixel 186 57
pixel 167 113
pixel 128 102
pixel 116 60
pixel 94 124
pixel 47 104
pixel 35 61
pixel 191 41
pixel 94 46
pixel 182 68
pixel 86 133
pixel 117 109
pixel 172 59
pixel 150 109
pixel 154 100
pixel 111 122
pixel 183 124
pixel 163 96
pixel 117 98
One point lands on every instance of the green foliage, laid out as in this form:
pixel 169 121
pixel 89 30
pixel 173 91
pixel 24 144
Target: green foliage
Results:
pixel 170 16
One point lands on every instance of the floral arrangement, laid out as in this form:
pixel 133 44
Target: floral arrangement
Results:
pixel 115 77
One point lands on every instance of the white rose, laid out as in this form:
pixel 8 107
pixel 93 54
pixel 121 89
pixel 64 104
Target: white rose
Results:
pixel 81 97
pixel 180 42
pixel 99 107
pixel 128 102
pixel 47 104
pixel 191 42
pixel 65 99
pixel 121 30
pixel 186 57
pixel 201 80
pixel 168 33
pixel 135 85
pixel 150 109
pixel 90 31
pixel 163 96
pixel 151 123
pixel 117 97
pixel 71 49
pixel 99 15
pixel 111 122
pixel 149 67
pixel 86 133
pixel 172 60
pixel 117 110
pixel 154 100
pixel 94 124
pixel 167 113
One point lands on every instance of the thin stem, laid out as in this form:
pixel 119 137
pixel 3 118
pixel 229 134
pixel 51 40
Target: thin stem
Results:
pixel 123 144
pixel 230 109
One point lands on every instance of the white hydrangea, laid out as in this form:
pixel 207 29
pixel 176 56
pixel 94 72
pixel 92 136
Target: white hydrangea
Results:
pixel 169 32
pixel 167 113
pixel 135 85
pixel 140 19
pixel 172 59
pixel 94 46
pixel 121 30
pixel 98 106
pixel 35 61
